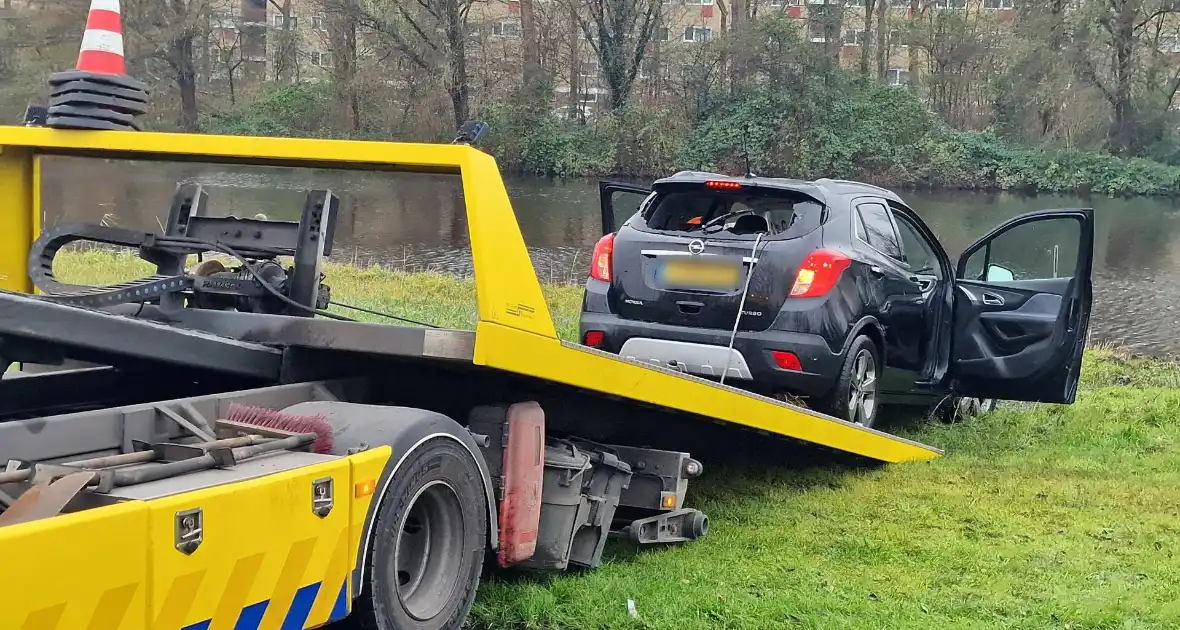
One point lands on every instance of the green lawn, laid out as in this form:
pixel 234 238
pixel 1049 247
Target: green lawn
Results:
pixel 1037 517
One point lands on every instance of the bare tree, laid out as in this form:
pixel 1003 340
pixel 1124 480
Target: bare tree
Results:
pixel 619 32
pixel 431 34
pixel 171 31
pixel 226 44
pixel 530 47
pixel 285 62
pixel 1118 41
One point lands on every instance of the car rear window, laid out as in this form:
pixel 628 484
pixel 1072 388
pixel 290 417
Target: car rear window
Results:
pixel 700 211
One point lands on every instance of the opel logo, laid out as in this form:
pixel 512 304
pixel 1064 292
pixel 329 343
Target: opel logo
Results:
pixel 696 246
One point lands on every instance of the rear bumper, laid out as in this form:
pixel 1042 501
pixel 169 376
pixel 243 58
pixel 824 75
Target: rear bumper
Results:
pixel 820 365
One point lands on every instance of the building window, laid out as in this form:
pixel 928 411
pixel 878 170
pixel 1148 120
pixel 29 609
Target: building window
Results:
pixel 853 37
pixel 659 34
pixel 697 34
pixel 645 69
pixel 321 59
pixel 787 3
pixel 1168 44
pixel 896 38
pixel 278 21
pixel 588 72
pixel 999 4
pixel 319 22
pixel 506 28
pixel 690 2
pixel 225 56
pixel 897 76
pixel 949 4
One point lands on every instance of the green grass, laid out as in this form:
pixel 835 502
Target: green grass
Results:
pixel 1039 516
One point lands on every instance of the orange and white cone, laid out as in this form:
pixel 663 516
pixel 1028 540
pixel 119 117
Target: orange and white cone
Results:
pixel 98 94
pixel 102 43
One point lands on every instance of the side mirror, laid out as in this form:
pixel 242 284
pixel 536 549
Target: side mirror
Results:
pixel 996 273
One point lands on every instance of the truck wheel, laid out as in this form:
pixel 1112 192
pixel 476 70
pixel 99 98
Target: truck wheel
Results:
pixel 428 543
pixel 856 395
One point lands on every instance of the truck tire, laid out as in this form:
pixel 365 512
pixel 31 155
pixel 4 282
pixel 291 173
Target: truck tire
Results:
pixel 428 543
pixel 856 396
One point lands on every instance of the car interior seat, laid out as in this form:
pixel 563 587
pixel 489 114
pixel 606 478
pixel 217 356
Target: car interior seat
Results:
pixel 750 224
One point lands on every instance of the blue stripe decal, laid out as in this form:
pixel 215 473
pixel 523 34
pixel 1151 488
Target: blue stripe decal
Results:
pixel 340 609
pixel 251 616
pixel 300 607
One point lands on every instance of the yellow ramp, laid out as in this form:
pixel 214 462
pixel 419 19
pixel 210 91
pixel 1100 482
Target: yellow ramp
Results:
pixel 553 360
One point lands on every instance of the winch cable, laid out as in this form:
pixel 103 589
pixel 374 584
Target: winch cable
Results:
pixel 226 249
pixel 144 289
pixel 741 305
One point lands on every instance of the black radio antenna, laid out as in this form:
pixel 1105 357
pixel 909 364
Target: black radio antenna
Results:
pixel 746 150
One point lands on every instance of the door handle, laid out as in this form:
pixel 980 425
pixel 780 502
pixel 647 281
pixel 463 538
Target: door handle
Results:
pixel 924 284
pixel 991 299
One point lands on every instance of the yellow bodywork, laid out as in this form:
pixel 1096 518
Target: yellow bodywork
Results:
pixel 266 562
pixel 264 548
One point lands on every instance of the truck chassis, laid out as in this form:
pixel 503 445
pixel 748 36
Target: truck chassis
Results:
pixel 441 445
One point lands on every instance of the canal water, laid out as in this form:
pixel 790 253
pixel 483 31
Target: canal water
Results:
pixel 417 222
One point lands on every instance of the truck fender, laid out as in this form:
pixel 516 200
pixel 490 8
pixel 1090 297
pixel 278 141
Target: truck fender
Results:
pixel 358 426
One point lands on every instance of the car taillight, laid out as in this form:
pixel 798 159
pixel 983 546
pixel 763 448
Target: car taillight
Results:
pixel 600 261
pixel 819 273
pixel 787 360
pixel 594 338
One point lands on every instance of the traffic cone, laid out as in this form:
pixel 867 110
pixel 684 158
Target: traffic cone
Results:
pixel 98 94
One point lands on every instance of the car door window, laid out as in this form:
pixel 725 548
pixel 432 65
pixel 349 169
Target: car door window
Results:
pixel 1037 250
pixel 878 229
pixel 919 252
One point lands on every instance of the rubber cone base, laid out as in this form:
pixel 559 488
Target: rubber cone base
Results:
pixel 86 100
pixel 113 80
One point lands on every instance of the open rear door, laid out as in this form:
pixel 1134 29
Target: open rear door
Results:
pixel 1022 308
pixel 619 201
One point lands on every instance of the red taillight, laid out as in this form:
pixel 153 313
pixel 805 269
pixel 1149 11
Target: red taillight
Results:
pixel 594 338
pixel 723 184
pixel 600 261
pixel 786 360
pixel 819 273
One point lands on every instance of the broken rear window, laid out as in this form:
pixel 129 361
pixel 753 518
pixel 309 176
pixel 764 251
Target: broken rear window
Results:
pixel 738 214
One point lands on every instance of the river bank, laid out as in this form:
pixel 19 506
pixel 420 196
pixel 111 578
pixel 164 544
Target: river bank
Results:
pixel 1038 516
pixel 848 129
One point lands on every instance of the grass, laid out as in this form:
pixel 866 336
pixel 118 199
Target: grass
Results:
pixel 1039 516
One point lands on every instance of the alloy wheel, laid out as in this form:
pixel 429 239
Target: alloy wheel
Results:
pixel 862 396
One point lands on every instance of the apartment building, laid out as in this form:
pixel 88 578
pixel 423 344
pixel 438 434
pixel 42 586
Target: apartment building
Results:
pixel 267 40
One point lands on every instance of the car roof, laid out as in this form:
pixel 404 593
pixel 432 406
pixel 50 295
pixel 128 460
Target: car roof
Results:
pixel 823 190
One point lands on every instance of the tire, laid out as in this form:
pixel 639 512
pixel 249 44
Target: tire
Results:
pixel 428 545
pixel 851 382
pixel 965 408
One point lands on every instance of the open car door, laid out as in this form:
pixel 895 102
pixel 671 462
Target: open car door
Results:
pixel 1022 308
pixel 619 201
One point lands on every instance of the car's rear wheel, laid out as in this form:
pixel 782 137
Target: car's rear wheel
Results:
pixel 856 395
pixel 965 408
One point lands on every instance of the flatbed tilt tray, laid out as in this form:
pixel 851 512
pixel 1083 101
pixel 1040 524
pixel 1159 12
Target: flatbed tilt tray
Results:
pixel 243 450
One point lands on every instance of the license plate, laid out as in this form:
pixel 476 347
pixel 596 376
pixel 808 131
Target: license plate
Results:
pixel 710 275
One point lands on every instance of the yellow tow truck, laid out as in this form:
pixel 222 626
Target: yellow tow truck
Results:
pixel 234 455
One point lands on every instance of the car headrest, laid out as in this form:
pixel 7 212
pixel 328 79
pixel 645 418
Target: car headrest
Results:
pixel 750 224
